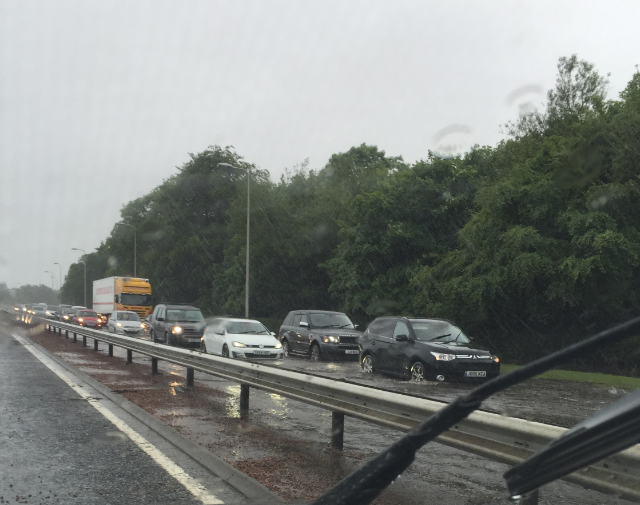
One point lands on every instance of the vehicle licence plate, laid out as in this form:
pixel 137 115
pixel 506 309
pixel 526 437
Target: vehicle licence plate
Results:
pixel 261 352
pixel 351 351
pixel 475 374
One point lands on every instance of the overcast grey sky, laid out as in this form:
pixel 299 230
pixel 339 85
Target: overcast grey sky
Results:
pixel 100 101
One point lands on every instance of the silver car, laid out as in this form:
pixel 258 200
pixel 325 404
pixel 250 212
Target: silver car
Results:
pixel 125 322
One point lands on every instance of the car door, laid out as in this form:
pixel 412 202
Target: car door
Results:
pixel 292 332
pixel 158 324
pixel 383 340
pixel 302 335
pixel 399 352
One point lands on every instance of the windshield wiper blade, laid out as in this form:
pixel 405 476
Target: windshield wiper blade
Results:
pixel 441 336
pixel 366 483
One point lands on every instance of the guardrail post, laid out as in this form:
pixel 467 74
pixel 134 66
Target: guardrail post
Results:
pixel 337 430
pixel 95 344
pixel 154 367
pixel 66 333
pixel 84 341
pixel 190 380
pixel 75 337
pixel 244 399
pixel 111 350
pixel 49 328
pixel 129 356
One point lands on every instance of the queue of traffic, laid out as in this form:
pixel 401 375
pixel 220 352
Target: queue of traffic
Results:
pixel 407 347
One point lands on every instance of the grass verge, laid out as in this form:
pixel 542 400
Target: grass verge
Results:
pixel 598 379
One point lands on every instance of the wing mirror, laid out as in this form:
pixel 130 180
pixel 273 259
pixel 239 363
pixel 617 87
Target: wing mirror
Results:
pixel 272 334
pixel 402 338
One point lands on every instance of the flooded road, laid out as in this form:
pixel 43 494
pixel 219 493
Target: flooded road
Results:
pixel 284 444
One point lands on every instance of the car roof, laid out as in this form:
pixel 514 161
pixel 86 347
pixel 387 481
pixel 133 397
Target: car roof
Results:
pixel 175 306
pixel 237 319
pixel 317 311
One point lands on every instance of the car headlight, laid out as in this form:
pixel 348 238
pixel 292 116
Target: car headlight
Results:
pixel 65 317
pixel 176 329
pixel 238 344
pixel 495 358
pixel 278 345
pixel 141 325
pixel 443 357
pixel 118 324
pixel 330 340
pixel 48 313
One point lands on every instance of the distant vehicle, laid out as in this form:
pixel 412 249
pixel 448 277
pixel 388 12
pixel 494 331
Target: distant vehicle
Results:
pixel 65 314
pixel 122 293
pixel 124 322
pixel 419 349
pixel 88 318
pixel 177 324
pixel 319 334
pixel 39 310
pixel 240 338
pixel 61 309
pixel 51 312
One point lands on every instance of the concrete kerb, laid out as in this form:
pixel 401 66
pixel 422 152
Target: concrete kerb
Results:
pixel 247 486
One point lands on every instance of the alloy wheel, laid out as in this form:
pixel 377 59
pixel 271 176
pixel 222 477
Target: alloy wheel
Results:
pixel 417 372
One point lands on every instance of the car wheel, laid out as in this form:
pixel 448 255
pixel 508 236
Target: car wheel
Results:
pixel 315 353
pixel 418 372
pixel 285 348
pixel 367 364
pixel 225 351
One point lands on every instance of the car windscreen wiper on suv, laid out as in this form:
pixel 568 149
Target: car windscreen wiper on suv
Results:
pixel 366 483
pixel 441 336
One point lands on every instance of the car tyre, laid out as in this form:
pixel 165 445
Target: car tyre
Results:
pixel 418 372
pixel 315 354
pixel 368 366
pixel 225 351
pixel 285 348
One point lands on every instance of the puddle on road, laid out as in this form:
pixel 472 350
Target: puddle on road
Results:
pixel 78 359
pixel 103 371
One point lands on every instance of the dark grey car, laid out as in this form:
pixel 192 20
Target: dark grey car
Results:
pixel 319 334
pixel 176 324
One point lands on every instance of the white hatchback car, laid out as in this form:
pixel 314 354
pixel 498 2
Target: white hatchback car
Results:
pixel 125 322
pixel 240 338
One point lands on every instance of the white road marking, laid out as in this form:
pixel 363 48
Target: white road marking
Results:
pixel 189 483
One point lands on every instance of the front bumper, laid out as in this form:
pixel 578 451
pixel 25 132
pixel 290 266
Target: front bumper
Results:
pixel 252 354
pixel 455 369
pixel 340 351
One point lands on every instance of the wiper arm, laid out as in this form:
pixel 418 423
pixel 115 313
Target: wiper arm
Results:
pixel 441 336
pixel 366 483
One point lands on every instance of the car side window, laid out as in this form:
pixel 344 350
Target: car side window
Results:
pixel 386 328
pixel 303 318
pixel 296 320
pixel 161 312
pixel 287 321
pixel 401 329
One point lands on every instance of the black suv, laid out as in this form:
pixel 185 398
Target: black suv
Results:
pixel 419 348
pixel 319 334
pixel 177 324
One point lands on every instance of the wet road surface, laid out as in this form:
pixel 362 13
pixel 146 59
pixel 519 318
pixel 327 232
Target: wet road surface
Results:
pixel 285 444
pixel 58 448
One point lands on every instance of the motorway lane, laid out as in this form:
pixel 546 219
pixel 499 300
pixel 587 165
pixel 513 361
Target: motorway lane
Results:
pixel 58 447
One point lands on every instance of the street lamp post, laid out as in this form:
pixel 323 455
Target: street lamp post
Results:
pixel 134 247
pixel 84 261
pixel 51 273
pixel 246 281
pixel 59 282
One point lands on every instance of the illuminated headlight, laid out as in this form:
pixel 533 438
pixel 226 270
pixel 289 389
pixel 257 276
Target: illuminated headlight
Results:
pixel 238 344
pixel 65 317
pixel 118 324
pixel 48 313
pixel 176 329
pixel 443 357
pixel 141 325
pixel 495 358
pixel 330 340
pixel 80 319
pixel 278 345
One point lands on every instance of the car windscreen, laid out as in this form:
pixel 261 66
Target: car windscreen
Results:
pixel 135 299
pixel 440 331
pixel 184 316
pixel 324 320
pixel 87 313
pixel 249 327
pixel 128 316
